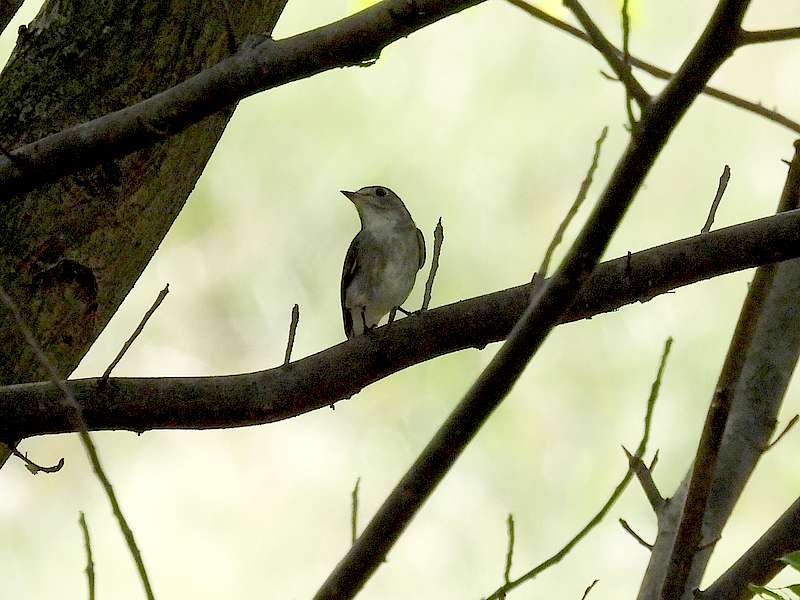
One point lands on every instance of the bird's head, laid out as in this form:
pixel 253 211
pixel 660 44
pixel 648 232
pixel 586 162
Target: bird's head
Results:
pixel 378 206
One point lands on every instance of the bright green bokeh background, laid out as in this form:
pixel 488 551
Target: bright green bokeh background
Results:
pixel 488 120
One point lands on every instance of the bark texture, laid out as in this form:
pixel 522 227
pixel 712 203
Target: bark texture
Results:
pixel 71 251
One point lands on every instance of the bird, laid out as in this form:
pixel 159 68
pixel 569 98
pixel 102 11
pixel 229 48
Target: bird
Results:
pixel 382 261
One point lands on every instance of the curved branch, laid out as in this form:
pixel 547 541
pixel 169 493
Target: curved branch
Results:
pixel 317 381
pixel 262 63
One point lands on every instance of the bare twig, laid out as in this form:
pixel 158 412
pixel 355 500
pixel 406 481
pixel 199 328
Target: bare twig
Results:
pixel 753 107
pixel 573 210
pixel 651 467
pixel 510 551
pixel 339 372
pixel 589 589
pixel 626 61
pixel 611 54
pixel 33 467
pixel 292 331
pixel 438 239
pixel 354 512
pixel 80 424
pixel 500 592
pixel 769 35
pixel 161 295
pixel 723 184
pixel 87 544
pixel 792 422
pixel 645 478
pixel 635 535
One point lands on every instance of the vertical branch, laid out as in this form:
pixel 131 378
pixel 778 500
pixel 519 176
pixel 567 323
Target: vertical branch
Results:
pixel 89 562
pixel 768 310
pixel 626 61
pixel 510 552
pixel 438 239
pixel 292 331
pixel 721 187
pixel 354 511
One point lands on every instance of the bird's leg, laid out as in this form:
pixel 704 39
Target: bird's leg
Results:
pixel 367 329
pixel 392 315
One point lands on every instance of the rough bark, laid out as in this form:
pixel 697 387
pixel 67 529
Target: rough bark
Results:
pixel 71 251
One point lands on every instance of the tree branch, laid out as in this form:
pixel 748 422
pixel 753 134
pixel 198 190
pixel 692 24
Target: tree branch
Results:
pixel 769 35
pixel 140 404
pixel 761 561
pixel 159 299
pixel 753 107
pixel 544 311
pixel 769 355
pixel 500 593
pixel 260 64
pixel 611 54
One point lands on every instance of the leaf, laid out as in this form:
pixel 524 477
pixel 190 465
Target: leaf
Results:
pixel 793 560
pixel 764 591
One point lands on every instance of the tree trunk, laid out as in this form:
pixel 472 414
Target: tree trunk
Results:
pixel 71 251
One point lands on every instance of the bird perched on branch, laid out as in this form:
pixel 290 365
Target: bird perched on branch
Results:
pixel 382 261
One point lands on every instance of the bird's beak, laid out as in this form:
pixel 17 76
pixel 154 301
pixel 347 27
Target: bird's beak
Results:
pixel 350 195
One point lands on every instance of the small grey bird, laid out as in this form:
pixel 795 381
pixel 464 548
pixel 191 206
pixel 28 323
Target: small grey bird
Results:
pixel 382 261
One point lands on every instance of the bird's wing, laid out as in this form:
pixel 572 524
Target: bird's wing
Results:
pixel 421 244
pixel 348 272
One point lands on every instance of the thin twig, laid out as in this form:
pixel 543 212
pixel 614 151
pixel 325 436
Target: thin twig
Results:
pixel 541 273
pixel 723 184
pixel 33 467
pixel 510 551
pixel 292 331
pixel 635 535
pixel 589 589
pixel 438 239
pixel 161 295
pixel 354 512
pixel 792 422
pixel 753 107
pixel 91 451
pixel 769 35
pixel 611 54
pixel 89 562
pixel 626 61
pixel 645 478
pixel 651 467
pixel 499 593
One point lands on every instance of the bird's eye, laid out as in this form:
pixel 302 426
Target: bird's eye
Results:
pixel 380 192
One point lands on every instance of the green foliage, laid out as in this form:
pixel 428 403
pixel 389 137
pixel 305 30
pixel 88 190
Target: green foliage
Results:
pixel 793 560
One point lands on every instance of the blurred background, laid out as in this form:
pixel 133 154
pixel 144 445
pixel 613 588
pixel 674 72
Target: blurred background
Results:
pixel 488 120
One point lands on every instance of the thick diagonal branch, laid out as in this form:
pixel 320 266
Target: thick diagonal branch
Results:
pixel 544 311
